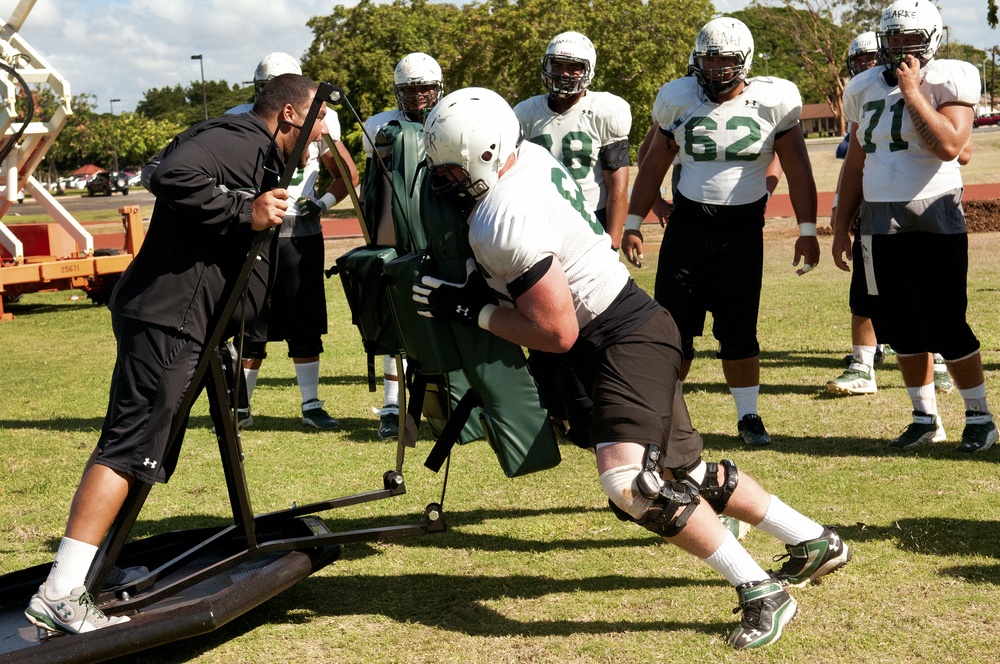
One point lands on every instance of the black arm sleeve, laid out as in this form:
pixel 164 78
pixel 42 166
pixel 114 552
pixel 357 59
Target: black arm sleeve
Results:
pixel 523 284
pixel 614 155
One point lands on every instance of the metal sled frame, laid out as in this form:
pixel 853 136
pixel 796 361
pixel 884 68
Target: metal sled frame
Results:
pixel 195 583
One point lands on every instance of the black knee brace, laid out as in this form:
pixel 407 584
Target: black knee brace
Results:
pixel 671 508
pixel 673 500
pixel 718 496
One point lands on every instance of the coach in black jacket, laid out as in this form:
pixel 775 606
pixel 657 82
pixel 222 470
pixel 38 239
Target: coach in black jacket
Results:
pixel 214 191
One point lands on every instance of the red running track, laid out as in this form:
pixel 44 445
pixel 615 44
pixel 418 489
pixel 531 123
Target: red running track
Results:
pixel 778 206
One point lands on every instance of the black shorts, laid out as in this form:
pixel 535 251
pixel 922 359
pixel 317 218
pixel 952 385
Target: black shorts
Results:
pixel 633 386
pixel 153 368
pixel 712 259
pixel 862 304
pixel 296 305
pixel 923 309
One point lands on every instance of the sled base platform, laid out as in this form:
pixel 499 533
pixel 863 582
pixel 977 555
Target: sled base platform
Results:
pixel 182 596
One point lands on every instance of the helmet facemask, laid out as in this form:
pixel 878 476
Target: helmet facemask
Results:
pixel 893 52
pixel 416 100
pixel 564 84
pixel 719 80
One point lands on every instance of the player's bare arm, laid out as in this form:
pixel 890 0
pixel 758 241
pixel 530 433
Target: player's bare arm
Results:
pixel 339 185
pixel 849 196
pixel 616 182
pixel 944 130
pixel 543 318
pixel 794 157
pixel 645 190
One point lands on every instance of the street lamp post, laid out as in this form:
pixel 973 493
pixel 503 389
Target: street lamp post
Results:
pixel 982 71
pixel 113 105
pixel 766 57
pixel 204 94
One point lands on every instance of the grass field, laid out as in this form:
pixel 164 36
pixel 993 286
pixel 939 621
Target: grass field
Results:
pixel 537 569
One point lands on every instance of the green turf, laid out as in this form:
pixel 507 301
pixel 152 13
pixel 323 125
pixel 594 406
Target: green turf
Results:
pixel 536 569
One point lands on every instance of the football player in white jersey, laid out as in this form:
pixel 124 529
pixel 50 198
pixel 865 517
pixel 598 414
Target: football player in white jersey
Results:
pixel 726 129
pixel 586 130
pixel 551 285
pixel 296 307
pixel 418 85
pixel 910 121
pixel 859 374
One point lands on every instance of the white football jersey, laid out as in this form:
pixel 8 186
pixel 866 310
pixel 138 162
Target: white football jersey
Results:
pixel 576 137
pixel 898 165
pixel 304 180
pixel 375 123
pixel 725 148
pixel 536 210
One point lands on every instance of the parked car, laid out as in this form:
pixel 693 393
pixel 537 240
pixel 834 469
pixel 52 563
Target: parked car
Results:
pixel 986 120
pixel 108 182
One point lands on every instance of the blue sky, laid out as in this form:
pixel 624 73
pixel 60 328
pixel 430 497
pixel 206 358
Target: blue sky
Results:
pixel 118 49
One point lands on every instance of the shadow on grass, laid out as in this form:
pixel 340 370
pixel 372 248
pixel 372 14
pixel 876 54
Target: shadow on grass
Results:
pixel 451 603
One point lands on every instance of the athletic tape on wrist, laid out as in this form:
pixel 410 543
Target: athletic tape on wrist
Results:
pixel 633 222
pixel 328 201
pixel 807 229
pixel 484 316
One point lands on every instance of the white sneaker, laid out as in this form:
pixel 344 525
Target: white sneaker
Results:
pixel 856 379
pixel 74 613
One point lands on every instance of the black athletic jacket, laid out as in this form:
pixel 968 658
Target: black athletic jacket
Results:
pixel 200 230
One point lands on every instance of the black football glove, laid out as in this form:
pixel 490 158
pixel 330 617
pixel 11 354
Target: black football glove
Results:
pixel 310 207
pixel 451 301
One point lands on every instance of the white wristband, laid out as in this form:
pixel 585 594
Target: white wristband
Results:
pixel 485 314
pixel 633 222
pixel 807 229
pixel 328 201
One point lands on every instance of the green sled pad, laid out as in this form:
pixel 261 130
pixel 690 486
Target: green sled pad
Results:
pixel 516 424
pixel 428 342
pixel 441 397
pixel 361 273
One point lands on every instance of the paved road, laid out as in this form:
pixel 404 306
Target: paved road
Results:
pixel 76 203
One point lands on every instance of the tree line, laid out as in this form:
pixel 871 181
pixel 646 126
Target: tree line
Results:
pixel 498 44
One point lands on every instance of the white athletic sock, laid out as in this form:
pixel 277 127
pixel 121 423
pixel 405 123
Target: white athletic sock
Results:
pixel 307 376
pixel 924 398
pixel 732 561
pixel 746 400
pixel 864 355
pixel 390 387
pixel 69 570
pixel 787 525
pixel 250 378
pixel 975 398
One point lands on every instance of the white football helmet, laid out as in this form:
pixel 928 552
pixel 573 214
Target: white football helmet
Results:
pixel 910 17
pixel 415 71
pixel 475 130
pixel 864 44
pixel 571 47
pixel 723 37
pixel 274 64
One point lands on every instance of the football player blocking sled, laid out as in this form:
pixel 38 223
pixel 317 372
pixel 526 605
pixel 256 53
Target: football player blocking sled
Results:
pixel 665 488
pixel 153 591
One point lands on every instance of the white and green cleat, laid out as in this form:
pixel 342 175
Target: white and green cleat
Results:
pixel 766 608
